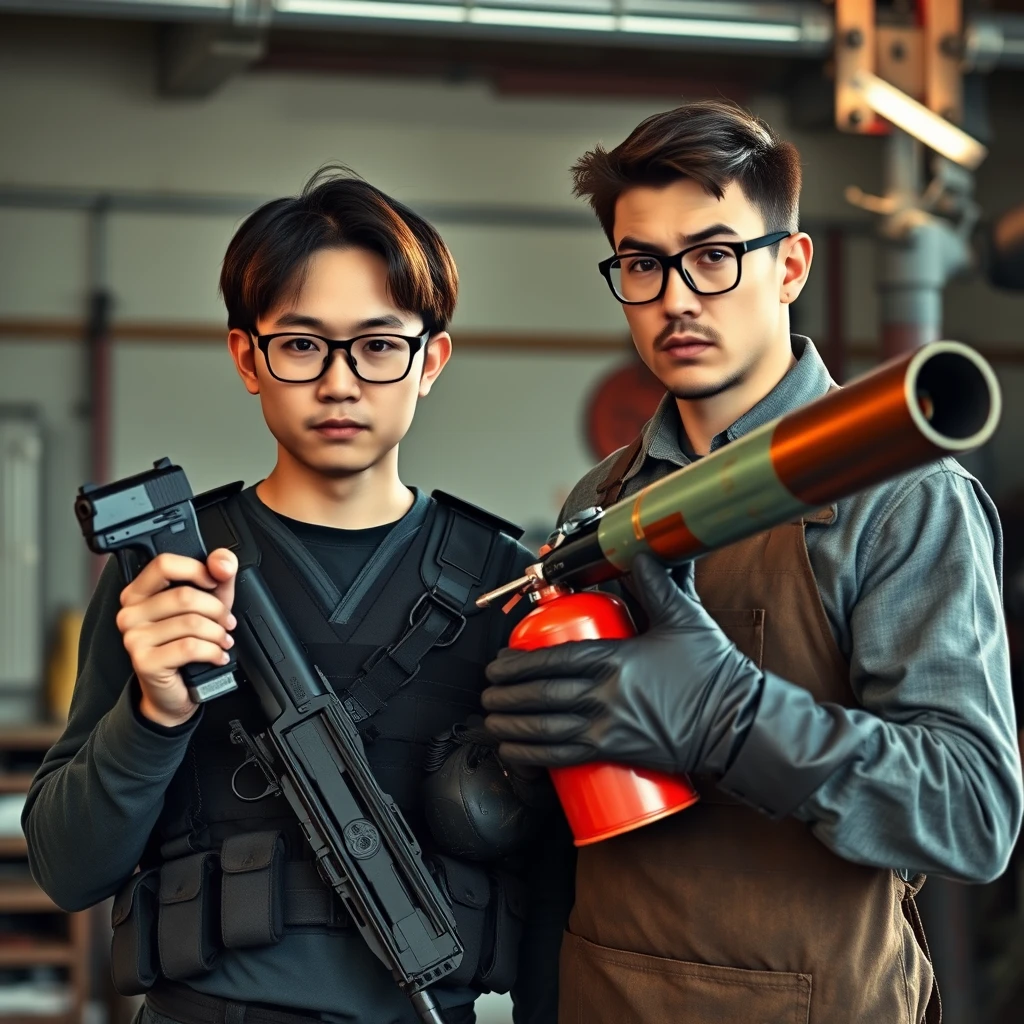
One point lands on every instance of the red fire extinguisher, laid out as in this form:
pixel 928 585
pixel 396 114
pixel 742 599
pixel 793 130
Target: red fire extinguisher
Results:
pixel 600 800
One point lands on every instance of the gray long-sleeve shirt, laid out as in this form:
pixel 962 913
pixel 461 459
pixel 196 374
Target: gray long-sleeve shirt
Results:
pixel 925 774
pixel 100 791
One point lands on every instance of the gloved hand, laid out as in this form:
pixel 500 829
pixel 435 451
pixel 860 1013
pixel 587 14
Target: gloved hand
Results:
pixel 678 698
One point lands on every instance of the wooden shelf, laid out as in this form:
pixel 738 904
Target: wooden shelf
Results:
pixel 32 954
pixel 40 1018
pixel 25 898
pixel 15 782
pixel 73 1017
pixel 22 748
pixel 13 846
pixel 39 736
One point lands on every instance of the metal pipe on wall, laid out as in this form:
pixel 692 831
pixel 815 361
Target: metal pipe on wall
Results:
pixel 920 251
pixel 97 340
pixel 99 400
pixel 219 205
pixel 835 303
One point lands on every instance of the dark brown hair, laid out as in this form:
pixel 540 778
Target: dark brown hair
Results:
pixel 270 252
pixel 715 143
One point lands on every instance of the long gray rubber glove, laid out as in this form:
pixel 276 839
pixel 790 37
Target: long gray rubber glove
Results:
pixel 678 698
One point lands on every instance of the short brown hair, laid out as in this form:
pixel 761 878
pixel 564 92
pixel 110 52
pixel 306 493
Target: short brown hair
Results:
pixel 714 143
pixel 337 210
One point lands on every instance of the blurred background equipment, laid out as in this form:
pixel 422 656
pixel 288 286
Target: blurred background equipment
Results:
pixel 21 543
pixel 45 954
pixel 620 405
pixel 917 100
pixel 137 134
pixel 1006 250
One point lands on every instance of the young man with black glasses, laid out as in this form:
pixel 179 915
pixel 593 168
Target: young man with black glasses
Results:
pixel 838 686
pixel 338 306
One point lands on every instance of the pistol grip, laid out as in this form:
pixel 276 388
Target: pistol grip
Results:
pixel 203 680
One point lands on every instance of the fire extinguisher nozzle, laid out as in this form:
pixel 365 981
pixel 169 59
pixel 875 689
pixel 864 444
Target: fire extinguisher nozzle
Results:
pixel 533 579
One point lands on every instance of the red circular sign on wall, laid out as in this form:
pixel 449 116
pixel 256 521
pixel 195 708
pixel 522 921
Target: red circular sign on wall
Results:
pixel 620 405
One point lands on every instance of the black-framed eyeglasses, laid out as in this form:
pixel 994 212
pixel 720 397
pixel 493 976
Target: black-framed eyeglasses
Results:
pixel 709 268
pixel 299 358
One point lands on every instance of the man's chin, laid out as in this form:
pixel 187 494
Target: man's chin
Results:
pixel 340 469
pixel 692 387
pixel 339 464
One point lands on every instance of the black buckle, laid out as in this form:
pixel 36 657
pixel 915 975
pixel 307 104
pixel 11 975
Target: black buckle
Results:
pixel 419 612
pixel 355 710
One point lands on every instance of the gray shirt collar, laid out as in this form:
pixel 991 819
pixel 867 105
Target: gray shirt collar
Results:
pixel 806 380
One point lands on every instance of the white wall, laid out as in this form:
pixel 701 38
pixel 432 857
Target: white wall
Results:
pixel 78 109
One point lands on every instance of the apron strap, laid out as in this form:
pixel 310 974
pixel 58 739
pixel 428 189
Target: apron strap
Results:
pixel 610 488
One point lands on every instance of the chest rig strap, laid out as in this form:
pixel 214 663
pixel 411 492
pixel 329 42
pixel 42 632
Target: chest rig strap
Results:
pixel 438 617
pixel 454 562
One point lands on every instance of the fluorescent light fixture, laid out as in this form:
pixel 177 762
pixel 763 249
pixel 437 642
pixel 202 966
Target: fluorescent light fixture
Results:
pixel 375 9
pixel 694 28
pixel 542 19
pixel 391 9
pixel 916 119
pixel 751 30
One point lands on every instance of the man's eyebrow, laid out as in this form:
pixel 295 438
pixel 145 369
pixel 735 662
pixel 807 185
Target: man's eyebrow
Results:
pixel 300 320
pixel 711 232
pixel 639 245
pixel 312 323
pixel 387 320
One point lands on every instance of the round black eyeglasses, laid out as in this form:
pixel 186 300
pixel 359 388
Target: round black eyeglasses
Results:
pixel 710 268
pixel 295 358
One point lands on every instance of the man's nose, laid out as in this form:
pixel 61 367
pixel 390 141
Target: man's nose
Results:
pixel 339 380
pixel 679 299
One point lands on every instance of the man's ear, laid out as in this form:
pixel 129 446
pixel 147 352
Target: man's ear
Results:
pixel 243 352
pixel 797 252
pixel 435 357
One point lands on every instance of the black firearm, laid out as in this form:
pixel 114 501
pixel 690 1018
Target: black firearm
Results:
pixel 311 753
pixel 137 519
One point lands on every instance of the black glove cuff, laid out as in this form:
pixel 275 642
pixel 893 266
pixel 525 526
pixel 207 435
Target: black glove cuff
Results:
pixel 792 746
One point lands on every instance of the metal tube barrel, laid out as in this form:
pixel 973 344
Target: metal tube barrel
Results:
pixel 942 399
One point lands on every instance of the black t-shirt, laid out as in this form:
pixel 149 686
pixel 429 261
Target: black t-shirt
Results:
pixel 342 553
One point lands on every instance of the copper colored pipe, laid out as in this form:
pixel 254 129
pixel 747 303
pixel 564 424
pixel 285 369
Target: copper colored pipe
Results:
pixel 904 414
pixel 939 400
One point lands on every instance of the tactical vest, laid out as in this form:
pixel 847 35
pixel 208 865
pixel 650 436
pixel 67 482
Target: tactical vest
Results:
pixel 405 649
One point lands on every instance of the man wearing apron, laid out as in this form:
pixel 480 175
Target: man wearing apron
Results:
pixel 838 686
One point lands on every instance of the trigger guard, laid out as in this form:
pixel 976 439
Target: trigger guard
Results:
pixel 268 791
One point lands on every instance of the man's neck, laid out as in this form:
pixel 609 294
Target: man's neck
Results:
pixel 704 418
pixel 360 501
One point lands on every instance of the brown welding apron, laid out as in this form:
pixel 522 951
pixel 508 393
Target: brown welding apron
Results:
pixel 718 915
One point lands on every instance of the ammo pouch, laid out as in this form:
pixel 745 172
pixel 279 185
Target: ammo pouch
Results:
pixel 172 921
pixel 489 912
pixel 188 921
pixel 251 893
pixel 134 963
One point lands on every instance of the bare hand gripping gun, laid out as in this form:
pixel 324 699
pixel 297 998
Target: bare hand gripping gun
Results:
pixel 135 520
pixel 311 752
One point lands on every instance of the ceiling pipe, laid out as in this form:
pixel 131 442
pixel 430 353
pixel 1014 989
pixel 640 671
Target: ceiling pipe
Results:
pixel 797 28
